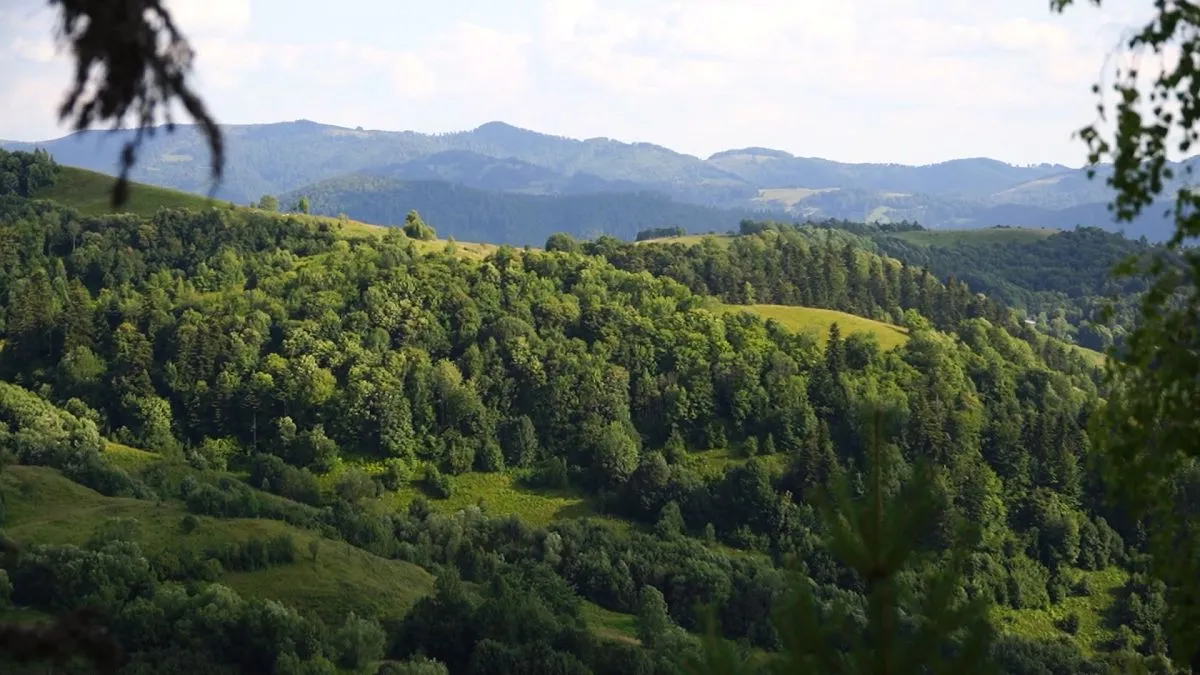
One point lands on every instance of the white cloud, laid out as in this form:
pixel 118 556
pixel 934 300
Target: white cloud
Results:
pixel 477 60
pixel 411 77
pixel 39 50
pixel 202 18
pixel 904 80
pixel 407 74
pixel 30 107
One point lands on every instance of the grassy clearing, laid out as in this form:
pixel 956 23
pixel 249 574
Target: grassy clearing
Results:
pixel 500 494
pixel 818 321
pixel 714 463
pixel 690 239
pixel 353 229
pixel 987 235
pixel 611 625
pixel 1094 357
pixel 130 459
pixel 45 507
pixel 1091 610
pixel 88 192
pixel 789 196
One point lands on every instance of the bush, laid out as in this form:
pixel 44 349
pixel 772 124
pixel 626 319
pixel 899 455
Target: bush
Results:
pixel 188 524
pixel 1069 624
pixel 359 642
pixel 438 483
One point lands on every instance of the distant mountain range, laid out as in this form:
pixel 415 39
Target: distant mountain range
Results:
pixel 373 172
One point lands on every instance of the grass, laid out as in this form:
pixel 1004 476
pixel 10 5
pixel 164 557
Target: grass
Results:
pixel 1094 357
pixel 45 507
pixel 1091 610
pixel 714 463
pixel 987 235
pixel 789 196
pixel 130 459
pixel 818 321
pixel 88 192
pixel 690 239
pixel 500 494
pixel 353 229
pixel 611 625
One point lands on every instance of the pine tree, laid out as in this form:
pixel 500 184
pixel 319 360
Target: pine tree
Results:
pixel 876 538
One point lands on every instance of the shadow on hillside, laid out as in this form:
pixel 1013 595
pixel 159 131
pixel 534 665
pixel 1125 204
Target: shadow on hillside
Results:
pixel 579 509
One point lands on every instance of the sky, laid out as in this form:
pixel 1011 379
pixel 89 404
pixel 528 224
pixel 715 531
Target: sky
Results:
pixel 906 81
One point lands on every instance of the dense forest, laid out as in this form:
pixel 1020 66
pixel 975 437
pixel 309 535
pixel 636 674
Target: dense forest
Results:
pixel 271 368
pixel 24 173
pixel 1062 280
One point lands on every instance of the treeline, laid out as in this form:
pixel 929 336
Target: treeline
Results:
pixel 23 174
pixel 1063 281
pixel 228 337
pixel 660 232
pixel 819 267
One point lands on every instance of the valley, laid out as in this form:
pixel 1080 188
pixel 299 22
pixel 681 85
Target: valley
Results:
pixel 504 184
pixel 364 448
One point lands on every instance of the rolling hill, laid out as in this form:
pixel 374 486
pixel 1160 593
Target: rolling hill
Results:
pixel 816 322
pixel 88 192
pixel 349 370
pixel 506 218
pixel 284 157
pixel 44 507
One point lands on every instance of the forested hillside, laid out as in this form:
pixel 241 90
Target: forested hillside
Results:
pixel 1060 280
pixel 1063 280
pixel 518 219
pixel 582 445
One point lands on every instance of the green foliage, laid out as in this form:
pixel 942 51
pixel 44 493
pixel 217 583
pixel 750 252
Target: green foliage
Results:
pixel 45 508
pixel 349 377
pixel 1062 279
pixel 358 643
pixel 561 241
pixel 418 665
pixel 91 194
pixel 660 233
pixel 877 539
pixel 416 228
pixel 1149 430
pixel 27 174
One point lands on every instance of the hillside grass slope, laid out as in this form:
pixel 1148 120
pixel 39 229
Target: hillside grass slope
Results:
pixel 44 507
pixel 817 322
pixel 89 192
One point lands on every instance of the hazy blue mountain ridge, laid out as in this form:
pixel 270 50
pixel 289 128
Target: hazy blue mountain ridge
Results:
pixel 294 157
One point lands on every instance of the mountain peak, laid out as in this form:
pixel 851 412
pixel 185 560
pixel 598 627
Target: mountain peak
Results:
pixel 497 125
pixel 756 151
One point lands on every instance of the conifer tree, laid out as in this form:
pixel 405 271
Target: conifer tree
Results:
pixel 875 537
